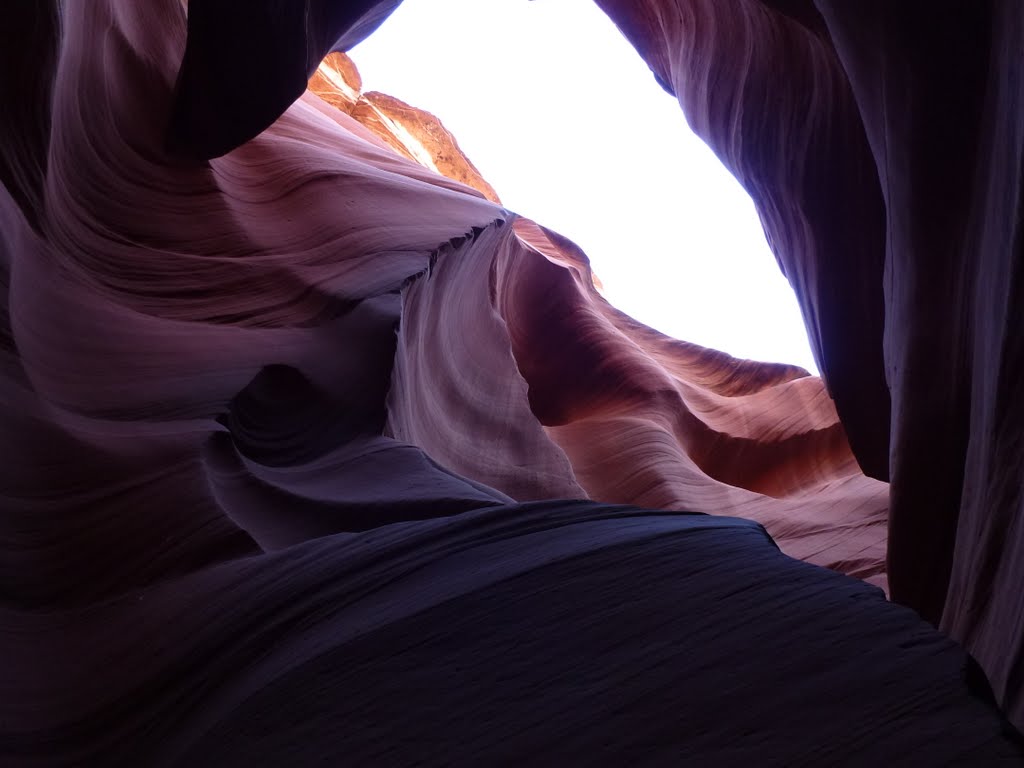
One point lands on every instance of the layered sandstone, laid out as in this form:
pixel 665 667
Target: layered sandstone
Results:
pixel 882 146
pixel 411 132
pixel 242 317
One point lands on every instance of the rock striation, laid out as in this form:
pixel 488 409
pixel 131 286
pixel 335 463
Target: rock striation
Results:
pixel 244 320
pixel 882 147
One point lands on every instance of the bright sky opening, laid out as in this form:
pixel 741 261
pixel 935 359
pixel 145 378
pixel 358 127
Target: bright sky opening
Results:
pixel 566 122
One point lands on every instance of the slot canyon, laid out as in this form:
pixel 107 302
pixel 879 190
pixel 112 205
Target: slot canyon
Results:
pixel 315 453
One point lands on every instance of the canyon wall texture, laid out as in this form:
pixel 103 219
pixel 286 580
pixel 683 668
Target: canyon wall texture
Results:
pixel 243 320
pixel 882 144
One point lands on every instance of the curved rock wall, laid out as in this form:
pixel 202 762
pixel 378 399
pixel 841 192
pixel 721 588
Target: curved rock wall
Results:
pixel 208 362
pixel 882 145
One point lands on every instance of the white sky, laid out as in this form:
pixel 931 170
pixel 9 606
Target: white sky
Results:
pixel 567 123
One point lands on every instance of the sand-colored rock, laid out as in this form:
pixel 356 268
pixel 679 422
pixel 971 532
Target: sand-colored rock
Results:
pixel 412 132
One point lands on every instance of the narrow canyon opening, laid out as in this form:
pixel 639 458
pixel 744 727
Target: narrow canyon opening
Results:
pixel 568 124
pixel 312 455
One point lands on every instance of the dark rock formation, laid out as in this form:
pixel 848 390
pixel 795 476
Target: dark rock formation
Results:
pixel 283 411
pixel 883 147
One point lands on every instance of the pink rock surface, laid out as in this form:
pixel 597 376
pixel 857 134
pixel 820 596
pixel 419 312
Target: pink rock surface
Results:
pixel 221 344
pixel 146 293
